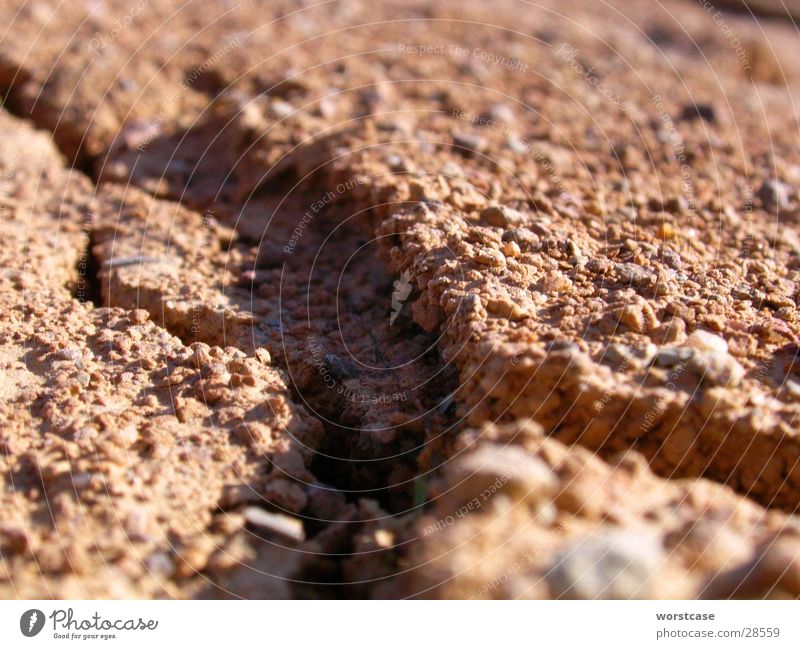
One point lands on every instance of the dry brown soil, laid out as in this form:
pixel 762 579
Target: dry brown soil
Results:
pixel 405 299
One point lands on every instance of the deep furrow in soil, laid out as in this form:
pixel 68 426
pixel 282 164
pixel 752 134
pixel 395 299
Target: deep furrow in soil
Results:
pixel 357 360
pixel 346 342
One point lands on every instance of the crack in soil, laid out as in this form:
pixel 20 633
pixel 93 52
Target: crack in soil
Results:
pixel 360 465
pixel 353 353
pixel 87 285
pixel 341 327
pixel 374 379
pixel 358 361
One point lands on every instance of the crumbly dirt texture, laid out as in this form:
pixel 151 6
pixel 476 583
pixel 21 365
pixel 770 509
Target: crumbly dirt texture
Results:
pixel 401 299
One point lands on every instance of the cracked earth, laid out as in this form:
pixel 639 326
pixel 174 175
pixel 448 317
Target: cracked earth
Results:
pixel 439 300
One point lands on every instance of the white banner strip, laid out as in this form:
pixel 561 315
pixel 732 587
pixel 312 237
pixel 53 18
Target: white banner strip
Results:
pixel 389 625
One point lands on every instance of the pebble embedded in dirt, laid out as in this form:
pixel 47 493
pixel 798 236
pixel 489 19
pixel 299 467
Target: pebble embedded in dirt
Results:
pixel 621 565
pixel 774 194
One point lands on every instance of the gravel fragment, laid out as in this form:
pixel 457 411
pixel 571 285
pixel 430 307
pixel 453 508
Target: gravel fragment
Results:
pixel 490 257
pixel 774 194
pixel 618 565
pixel 286 526
pixel 493 468
pixel 523 237
pixel 707 342
pixel 280 109
pixel 501 216
pixel 469 143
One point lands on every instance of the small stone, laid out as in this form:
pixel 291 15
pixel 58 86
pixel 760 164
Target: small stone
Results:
pixel 517 145
pixel 469 143
pixel 384 539
pixel 263 355
pixel 280 109
pixel 540 229
pixel 342 368
pixel 250 116
pixel 618 355
pixel 247 277
pixel 595 206
pixel 83 480
pixel 676 205
pixel 556 282
pixel 693 111
pixel 672 356
pixel 69 354
pixel 201 354
pixel 792 388
pixel 136 524
pixel 573 249
pixel 774 193
pixel 396 162
pixel 139 316
pixel 191 559
pixel 707 342
pixel 672 331
pixel 667 231
pixel 13 539
pixel 614 565
pixel 286 495
pixel 380 432
pixel 159 563
pixel 624 356
pixel 506 308
pixel 716 368
pixel 501 112
pixel 326 107
pixel 671 258
pixel 523 237
pixel 234 495
pixel 128 435
pixel 286 526
pixel 494 468
pixel 490 257
pixel 511 249
pixel 632 317
pixel 501 216
pixel 451 170
pixel 633 273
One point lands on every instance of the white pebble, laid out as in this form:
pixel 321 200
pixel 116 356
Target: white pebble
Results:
pixel 707 342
